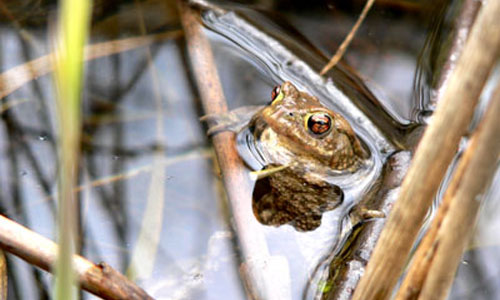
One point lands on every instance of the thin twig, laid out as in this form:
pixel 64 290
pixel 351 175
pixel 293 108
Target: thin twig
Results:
pixel 100 279
pixel 261 276
pixel 16 77
pixel 343 47
pixel 437 257
pixel 435 152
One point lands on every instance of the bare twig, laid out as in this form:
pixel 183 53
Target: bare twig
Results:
pixel 437 257
pixel 340 51
pixel 100 279
pixel 435 152
pixel 262 282
pixel 16 77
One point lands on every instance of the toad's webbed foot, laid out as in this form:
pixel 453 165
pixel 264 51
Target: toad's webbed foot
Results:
pixel 234 120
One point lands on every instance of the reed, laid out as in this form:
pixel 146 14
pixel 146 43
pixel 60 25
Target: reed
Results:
pixel 69 41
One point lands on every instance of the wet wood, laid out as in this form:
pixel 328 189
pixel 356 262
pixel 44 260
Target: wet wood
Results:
pixel 99 279
pixel 435 152
pixel 436 260
pixel 460 33
pixel 346 267
pixel 264 276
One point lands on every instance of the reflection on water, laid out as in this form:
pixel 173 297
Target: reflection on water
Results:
pixel 196 256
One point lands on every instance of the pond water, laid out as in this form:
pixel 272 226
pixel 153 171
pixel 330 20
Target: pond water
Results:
pixel 152 204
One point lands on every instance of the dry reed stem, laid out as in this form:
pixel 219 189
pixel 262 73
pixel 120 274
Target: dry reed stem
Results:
pixel 347 41
pixel 435 152
pixel 100 279
pixel 258 268
pixel 16 77
pixel 437 258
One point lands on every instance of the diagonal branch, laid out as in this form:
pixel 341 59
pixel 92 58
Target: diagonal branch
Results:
pixel 437 258
pixel 100 279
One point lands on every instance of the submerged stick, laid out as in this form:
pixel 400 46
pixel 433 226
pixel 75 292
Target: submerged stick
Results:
pixel 438 256
pixel 435 152
pixel 100 280
pixel 261 277
pixel 351 260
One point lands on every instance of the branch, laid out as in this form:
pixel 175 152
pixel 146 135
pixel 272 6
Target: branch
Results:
pixel 100 279
pixel 347 41
pixel 435 152
pixel 438 256
pixel 262 279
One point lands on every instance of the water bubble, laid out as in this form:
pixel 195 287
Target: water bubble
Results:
pixel 42 137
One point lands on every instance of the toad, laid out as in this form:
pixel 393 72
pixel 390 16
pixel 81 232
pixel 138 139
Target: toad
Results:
pixel 300 142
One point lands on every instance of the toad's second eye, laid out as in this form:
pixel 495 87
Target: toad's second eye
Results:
pixel 319 124
pixel 276 94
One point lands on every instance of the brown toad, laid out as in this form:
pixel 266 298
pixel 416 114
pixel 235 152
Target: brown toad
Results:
pixel 302 141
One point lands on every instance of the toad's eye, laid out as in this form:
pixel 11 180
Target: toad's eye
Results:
pixel 319 124
pixel 276 94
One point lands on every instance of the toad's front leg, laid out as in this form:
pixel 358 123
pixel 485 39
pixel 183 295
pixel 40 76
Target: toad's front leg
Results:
pixel 234 120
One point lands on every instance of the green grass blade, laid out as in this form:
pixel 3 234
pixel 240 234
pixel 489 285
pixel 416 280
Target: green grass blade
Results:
pixel 71 36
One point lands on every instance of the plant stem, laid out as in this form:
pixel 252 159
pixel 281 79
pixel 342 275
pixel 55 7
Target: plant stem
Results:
pixel 71 36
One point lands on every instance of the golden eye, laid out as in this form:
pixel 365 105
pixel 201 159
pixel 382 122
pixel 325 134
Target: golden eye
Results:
pixel 276 94
pixel 319 124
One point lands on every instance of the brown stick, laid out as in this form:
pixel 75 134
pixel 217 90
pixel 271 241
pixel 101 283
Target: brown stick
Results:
pixel 435 152
pixel 262 281
pixel 347 41
pixel 16 77
pixel 437 258
pixel 100 279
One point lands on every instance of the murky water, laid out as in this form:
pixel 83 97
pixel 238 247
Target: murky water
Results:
pixel 190 250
